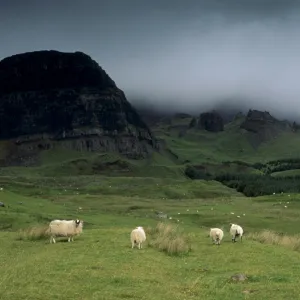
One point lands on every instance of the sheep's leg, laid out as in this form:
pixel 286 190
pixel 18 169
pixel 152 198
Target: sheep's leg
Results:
pixel 241 238
pixel 69 240
pixel 53 240
pixel 139 245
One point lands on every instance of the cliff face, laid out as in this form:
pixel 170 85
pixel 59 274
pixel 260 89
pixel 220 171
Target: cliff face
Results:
pixel 257 121
pixel 50 98
pixel 211 121
pixel 261 126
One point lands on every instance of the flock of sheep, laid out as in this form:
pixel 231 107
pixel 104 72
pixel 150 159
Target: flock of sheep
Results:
pixel 71 228
pixel 217 234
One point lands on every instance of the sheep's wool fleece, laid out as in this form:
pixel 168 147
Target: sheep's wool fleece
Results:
pixel 236 229
pixel 138 234
pixel 216 232
pixel 65 227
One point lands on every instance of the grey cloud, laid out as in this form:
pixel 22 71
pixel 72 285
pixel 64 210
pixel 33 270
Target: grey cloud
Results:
pixel 180 54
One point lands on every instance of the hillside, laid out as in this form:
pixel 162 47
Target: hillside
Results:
pixel 70 117
pixel 196 145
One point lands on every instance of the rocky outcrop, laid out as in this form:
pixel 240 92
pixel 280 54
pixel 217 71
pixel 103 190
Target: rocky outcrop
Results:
pixel 262 126
pixel 211 121
pixel 257 121
pixel 50 99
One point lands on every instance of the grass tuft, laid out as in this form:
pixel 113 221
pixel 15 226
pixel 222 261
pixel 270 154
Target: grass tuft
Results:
pixel 34 233
pixel 273 238
pixel 168 238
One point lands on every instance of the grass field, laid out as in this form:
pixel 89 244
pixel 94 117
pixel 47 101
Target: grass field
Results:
pixel 100 264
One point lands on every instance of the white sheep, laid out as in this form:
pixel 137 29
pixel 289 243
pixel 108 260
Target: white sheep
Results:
pixel 216 235
pixel 65 228
pixel 138 236
pixel 236 231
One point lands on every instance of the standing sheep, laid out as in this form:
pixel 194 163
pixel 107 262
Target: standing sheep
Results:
pixel 138 236
pixel 236 231
pixel 65 228
pixel 216 235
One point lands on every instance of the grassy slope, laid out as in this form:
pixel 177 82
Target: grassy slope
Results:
pixel 200 146
pixel 101 265
pixel 63 162
pixel 295 172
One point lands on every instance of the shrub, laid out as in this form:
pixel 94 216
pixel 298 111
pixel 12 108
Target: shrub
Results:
pixel 252 185
pixel 34 233
pixel 168 238
pixel 273 238
pixel 195 173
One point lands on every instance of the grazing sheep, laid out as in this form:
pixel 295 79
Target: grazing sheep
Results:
pixel 216 235
pixel 138 236
pixel 236 231
pixel 65 228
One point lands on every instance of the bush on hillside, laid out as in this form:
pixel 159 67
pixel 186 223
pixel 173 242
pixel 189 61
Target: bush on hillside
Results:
pixel 252 185
pixel 271 166
pixel 195 173
pixel 168 238
pixel 273 238
pixel 34 233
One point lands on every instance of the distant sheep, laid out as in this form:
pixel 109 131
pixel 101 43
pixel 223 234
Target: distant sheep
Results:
pixel 2 204
pixel 138 236
pixel 216 235
pixel 236 231
pixel 65 228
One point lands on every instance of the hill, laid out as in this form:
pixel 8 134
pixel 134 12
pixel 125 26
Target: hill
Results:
pixel 70 117
pixel 52 99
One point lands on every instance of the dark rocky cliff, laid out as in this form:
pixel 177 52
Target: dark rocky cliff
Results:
pixel 257 121
pixel 261 126
pixel 50 98
pixel 211 121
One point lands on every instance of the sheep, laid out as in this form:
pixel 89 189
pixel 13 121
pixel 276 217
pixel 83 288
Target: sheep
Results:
pixel 65 228
pixel 138 236
pixel 236 231
pixel 216 235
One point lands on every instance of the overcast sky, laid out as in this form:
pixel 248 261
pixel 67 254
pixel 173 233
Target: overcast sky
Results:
pixel 188 53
